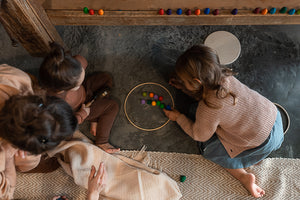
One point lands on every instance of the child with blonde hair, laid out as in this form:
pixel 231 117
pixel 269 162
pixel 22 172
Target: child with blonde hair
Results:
pixel 235 126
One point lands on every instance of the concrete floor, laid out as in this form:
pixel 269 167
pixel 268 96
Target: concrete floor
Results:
pixel 269 63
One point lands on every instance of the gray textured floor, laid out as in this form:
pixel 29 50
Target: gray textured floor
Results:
pixel 269 63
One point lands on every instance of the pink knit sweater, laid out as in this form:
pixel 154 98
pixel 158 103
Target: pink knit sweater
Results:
pixel 240 127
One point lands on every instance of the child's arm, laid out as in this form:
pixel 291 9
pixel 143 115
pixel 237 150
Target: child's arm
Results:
pixel 82 113
pixel 8 176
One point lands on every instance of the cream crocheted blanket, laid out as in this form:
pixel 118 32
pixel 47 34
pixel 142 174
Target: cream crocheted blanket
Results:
pixel 204 179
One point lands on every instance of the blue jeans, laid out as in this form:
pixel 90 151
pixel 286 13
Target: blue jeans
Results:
pixel 214 151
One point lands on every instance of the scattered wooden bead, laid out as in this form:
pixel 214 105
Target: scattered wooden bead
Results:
pixel 206 11
pixel 283 10
pixel 272 11
pixel 168 107
pixel 169 12
pixel 179 11
pixel 197 12
pixel 158 103
pixel 292 11
pixel 143 101
pixel 234 11
pixel 153 103
pixel 256 10
pixel 188 12
pixel 85 10
pixel 298 12
pixel 149 102
pixel 155 97
pixel 160 98
pixel 100 12
pixel 216 12
pixel 161 11
pixel 182 178
pixel 162 105
pixel 264 11
pixel 144 94
pixel 151 94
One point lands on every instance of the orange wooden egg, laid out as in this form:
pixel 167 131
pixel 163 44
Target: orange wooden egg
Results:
pixel 264 11
pixel 100 12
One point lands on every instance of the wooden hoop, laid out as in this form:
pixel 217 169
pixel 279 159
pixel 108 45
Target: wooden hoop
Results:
pixel 125 104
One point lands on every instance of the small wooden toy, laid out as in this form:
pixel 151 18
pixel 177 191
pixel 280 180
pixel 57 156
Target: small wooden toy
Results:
pixel 144 94
pixel 298 12
pixel 151 94
pixel 153 103
pixel 283 10
pixel 216 12
pixel 100 12
pixel 188 12
pixel 169 12
pixel 197 12
pixel 155 97
pixel 85 10
pixel 161 11
pixel 162 105
pixel 92 12
pixel 143 101
pixel 206 11
pixel 264 11
pixel 234 11
pixel 292 11
pixel 179 11
pixel 158 103
pixel 256 10
pixel 160 98
pixel 182 178
pixel 272 11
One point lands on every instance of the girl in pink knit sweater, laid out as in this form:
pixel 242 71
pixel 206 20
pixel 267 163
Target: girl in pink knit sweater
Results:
pixel 235 126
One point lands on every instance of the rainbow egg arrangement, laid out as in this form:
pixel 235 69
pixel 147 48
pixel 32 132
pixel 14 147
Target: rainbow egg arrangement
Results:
pixel 155 100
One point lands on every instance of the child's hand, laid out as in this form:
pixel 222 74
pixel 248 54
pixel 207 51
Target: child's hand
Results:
pixel 96 182
pixel 21 153
pixel 172 114
pixel 60 198
pixel 86 109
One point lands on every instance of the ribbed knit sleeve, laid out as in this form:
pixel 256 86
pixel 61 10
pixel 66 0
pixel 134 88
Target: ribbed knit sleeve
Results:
pixel 241 126
pixel 203 128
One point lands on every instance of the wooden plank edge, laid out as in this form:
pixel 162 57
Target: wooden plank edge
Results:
pixel 119 18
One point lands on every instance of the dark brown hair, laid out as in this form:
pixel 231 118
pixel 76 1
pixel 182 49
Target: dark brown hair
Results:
pixel 202 63
pixel 36 123
pixel 59 70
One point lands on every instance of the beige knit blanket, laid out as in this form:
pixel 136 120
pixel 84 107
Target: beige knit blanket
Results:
pixel 204 179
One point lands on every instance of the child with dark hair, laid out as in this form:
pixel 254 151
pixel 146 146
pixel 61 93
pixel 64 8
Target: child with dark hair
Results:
pixel 63 75
pixel 236 127
pixel 29 125
pixel 36 124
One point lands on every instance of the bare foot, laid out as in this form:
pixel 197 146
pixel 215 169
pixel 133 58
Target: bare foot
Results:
pixel 93 128
pixel 108 148
pixel 248 180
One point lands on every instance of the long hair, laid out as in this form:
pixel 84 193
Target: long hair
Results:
pixel 59 70
pixel 36 123
pixel 202 63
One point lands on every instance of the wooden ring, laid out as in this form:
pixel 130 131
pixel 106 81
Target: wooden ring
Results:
pixel 125 104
